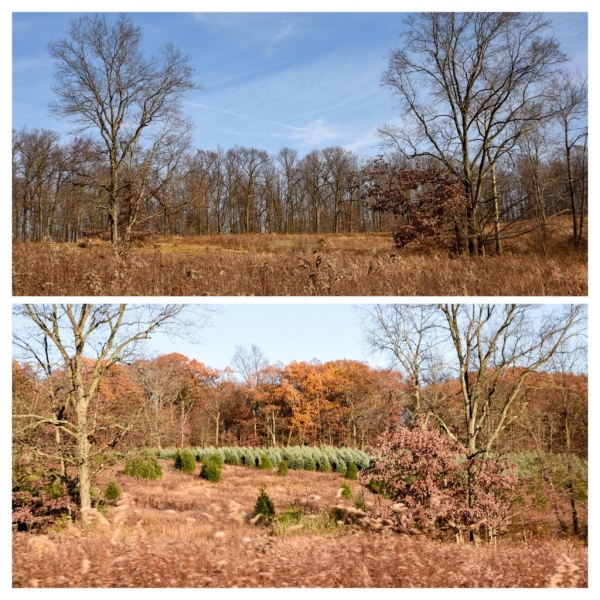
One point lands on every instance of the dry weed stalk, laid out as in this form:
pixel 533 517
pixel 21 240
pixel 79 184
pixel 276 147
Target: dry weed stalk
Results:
pixel 184 532
pixel 328 265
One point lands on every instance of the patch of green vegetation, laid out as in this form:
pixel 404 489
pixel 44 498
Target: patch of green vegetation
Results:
pixel 294 521
pixel 143 465
pixel 264 506
pixel 212 469
pixel 112 491
pixel 347 491
pixel 352 470
pixel 185 461
pixel 265 463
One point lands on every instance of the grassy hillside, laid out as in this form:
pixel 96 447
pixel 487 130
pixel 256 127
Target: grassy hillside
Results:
pixel 183 531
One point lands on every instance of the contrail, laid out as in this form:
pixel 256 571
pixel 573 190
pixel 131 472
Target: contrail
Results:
pixel 218 109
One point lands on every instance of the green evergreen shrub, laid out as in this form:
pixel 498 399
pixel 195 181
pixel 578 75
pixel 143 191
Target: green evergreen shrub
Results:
pixel 264 506
pixel 212 468
pixel 265 462
pixel 143 465
pixel 347 491
pixel 309 464
pixel 340 466
pixel 352 471
pixel 185 461
pixel 283 468
pixel 231 456
pixel 112 491
pixel 220 456
pixel 323 463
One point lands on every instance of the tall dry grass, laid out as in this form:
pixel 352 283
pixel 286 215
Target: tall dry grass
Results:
pixel 303 265
pixel 182 531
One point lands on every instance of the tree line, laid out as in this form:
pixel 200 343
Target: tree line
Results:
pixel 246 190
pixel 486 105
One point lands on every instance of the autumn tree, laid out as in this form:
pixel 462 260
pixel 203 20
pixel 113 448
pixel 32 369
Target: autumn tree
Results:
pixel 423 471
pixel 429 204
pixel 131 102
pixel 468 86
pixel 80 338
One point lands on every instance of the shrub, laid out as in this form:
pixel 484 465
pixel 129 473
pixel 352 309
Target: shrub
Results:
pixel 352 471
pixel 264 505
pixel 112 491
pixel 265 462
pixel 185 461
pixel 309 464
pixel 283 468
pixel 347 491
pixel 143 465
pixel 212 469
pixel 231 456
pixel 428 474
pixel 323 463
pixel 340 466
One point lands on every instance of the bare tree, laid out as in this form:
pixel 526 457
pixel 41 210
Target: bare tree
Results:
pixel 571 107
pixel 85 341
pixel 468 86
pixel 490 349
pixel 105 84
pixel 249 363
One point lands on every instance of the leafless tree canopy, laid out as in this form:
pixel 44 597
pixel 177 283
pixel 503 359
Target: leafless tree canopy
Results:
pixel 108 87
pixel 491 350
pixel 85 341
pixel 469 86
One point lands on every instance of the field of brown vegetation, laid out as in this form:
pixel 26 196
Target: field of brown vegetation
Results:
pixel 299 265
pixel 182 531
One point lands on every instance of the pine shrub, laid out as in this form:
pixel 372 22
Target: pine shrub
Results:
pixel 283 468
pixel 212 468
pixel 231 456
pixel 265 462
pixel 112 491
pixel 309 464
pixel 185 461
pixel 143 465
pixel 341 466
pixel 323 463
pixel 352 470
pixel 347 491
pixel 264 506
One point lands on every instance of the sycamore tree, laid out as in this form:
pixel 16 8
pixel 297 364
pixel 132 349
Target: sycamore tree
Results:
pixel 84 342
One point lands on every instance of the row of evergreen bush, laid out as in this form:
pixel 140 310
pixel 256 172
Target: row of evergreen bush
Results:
pixel 309 458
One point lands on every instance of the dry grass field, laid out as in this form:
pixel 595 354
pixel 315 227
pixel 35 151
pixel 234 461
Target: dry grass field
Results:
pixel 182 531
pixel 299 265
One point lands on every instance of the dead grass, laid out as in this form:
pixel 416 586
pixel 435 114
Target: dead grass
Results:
pixel 182 531
pixel 301 265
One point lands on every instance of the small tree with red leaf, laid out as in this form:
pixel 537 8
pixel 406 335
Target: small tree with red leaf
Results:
pixel 429 204
pixel 435 485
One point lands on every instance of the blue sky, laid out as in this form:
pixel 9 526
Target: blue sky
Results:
pixel 270 80
pixel 284 332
